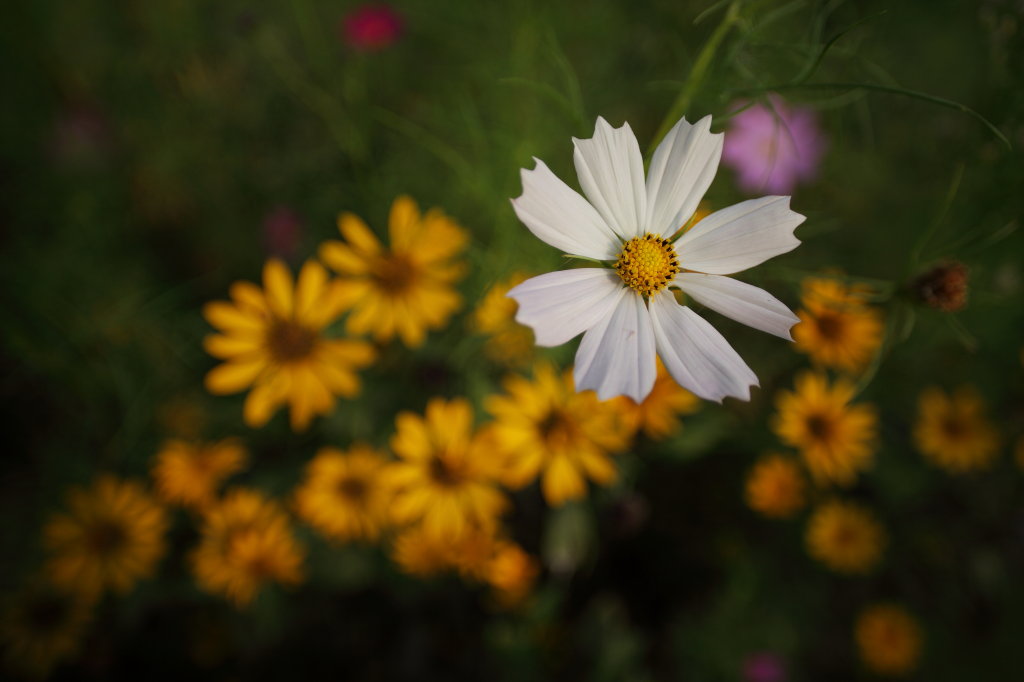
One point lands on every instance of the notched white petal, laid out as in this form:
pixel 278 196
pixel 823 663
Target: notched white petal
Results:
pixel 740 301
pixel 740 236
pixel 563 304
pixel 682 169
pixel 558 215
pixel 696 355
pixel 616 356
pixel 611 173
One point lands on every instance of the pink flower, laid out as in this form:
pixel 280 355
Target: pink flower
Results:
pixel 773 147
pixel 371 27
pixel 282 230
pixel 764 667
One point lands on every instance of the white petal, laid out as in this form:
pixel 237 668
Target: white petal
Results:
pixel 560 305
pixel 611 173
pixel 681 170
pixel 616 356
pixel 696 355
pixel 740 236
pixel 561 217
pixel 743 302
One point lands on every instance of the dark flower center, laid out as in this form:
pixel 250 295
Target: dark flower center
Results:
pixel 288 341
pixel 107 536
pixel 353 488
pixel 394 274
pixel 820 427
pixel 444 473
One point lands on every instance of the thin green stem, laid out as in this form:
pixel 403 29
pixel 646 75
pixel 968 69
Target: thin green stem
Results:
pixel 697 74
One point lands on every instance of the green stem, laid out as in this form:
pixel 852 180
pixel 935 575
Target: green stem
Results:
pixel 697 73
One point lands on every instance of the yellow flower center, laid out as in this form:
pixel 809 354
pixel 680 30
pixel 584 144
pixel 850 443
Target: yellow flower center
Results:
pixel 289 341
pixel 647 264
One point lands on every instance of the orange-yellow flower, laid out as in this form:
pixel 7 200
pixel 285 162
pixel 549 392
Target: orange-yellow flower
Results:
pixel 837 326
pixel 273 340
pixel 508 342
pixel 889 639
pixel 775 487
pixel 188 474
pixel 403 290
pixel 834 437
pixel 545 428
pixel 953 432
pixel 845 537
pixel 657 417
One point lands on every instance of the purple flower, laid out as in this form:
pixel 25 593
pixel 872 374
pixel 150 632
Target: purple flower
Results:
pixel 764 667
pixel 773 147
pixel 282 230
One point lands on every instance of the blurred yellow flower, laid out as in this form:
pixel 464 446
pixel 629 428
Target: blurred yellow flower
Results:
pixel 343 494
pixel 111 537
pixel 445 476
pixel 245 542
pixel 419 553
pixel 511 572
pixel 845 537
pixel 509 343
pixel 188 474
pixel 837 328
pixel 658 415
pixel 953 432
pixel 775 487
pixel 42 626
pixel 272 340
pixel 545 428
pixel 889 639
pixel 407 289
pixel 835 438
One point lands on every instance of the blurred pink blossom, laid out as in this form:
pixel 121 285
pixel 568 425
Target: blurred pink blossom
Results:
pixel 764 667
pixel 372 27
pixel 773 147
pixel 282 231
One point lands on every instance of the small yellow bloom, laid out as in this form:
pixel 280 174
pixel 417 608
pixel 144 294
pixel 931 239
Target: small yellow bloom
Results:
pixel 246 541
pixel 545 428
pixel 343 494
pixel 775 487
pixel 111 537
pixel 835 438
pixel 419 553
pixel 889 640
pixel 445 476
pixel 273 340
pixel 188 474
pixel 837 327
pixel 845 537
pixel 511 573
pixel 407 289
pixel 658 415
pixel 509 343
pixel 42 626
pixel 953 431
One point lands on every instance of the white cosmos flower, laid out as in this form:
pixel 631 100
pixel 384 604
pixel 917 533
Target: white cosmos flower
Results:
pixel 627 313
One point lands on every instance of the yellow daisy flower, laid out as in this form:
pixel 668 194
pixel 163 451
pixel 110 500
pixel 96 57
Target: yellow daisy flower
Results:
pixel 343 495
pixel 509 343
pixel 41 627
pixel 419 553
pixel 775 487
pixel 404 290
pixel 889 640
pixel 953 432
pixel 545 428
pixel 444 478
pixel 273 340
pixel 188 474
pixel 658 415
pixel 845 537
pixel 246 542
pixel 835 438
pixel 111 537
pixel 837 328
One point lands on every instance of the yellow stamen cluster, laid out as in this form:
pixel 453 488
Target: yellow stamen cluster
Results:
pixel 647 264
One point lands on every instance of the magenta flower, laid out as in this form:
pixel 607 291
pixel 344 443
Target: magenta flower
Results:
pixel 282 231
pixel 773 147
pixel 764 667
pixel 371 27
